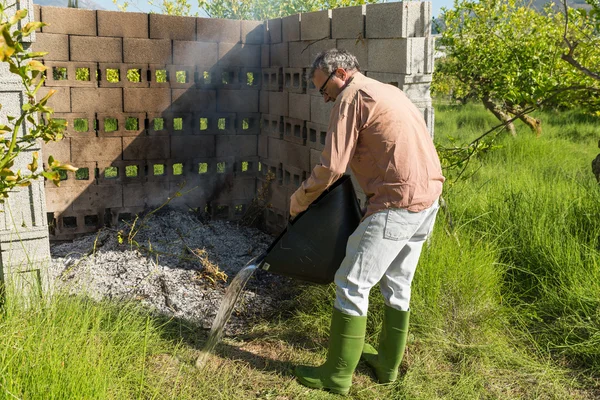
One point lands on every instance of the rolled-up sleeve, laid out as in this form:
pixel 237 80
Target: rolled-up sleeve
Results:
pixel 340 144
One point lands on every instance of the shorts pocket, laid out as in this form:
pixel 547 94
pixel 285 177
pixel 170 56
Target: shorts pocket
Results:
pixel 401 224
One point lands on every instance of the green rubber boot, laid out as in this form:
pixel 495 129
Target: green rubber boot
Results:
pixel 392 341
pixel 346 339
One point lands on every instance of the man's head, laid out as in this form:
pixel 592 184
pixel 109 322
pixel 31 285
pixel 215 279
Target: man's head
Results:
pixel 331 71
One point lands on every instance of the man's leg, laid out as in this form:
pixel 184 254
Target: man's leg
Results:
pixel 396 289
pixel 368 256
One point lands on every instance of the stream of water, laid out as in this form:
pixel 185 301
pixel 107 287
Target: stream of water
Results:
pixel 228 303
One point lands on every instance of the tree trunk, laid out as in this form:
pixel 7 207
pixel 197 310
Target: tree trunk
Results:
pixel 500 114
pixel 533 123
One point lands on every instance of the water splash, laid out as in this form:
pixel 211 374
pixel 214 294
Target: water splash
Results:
pixel 229 300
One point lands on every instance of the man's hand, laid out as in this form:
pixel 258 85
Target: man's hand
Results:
pixel 295 208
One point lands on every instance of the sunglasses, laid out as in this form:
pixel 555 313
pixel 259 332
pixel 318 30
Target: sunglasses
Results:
pixel 322 89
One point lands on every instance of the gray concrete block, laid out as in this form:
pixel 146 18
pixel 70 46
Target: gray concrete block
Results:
pixel 263 99
pixel 239 55
pixel 122 24
pixel 56 45
pixel 152 51
pixel 193 100
pixel 315 25
pixel 278 103
pixel 293 80
pixel 244 101
pixel 300 106
pixel 201 54
pixel 299 55
pixel 265 55
pixel 317 47
pixel 189 147
pixel 319 110
pixel 72 21
pixel 348 22
pixel 391 55
pixel 316 135
pixel 253 32
pixel 279 55
pixel 290 28
pixel 294 130
pixel 236 146
pixel 218 30
pixel 272 79
pixel 359 48
pixel 398 20
pixel 273 32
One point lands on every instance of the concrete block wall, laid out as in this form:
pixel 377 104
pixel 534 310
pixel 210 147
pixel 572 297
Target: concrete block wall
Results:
pixel 24 245
pixel 393 44
pixel 139 141
pixel 234 105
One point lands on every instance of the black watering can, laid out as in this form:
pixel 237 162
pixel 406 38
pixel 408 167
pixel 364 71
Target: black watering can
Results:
pixel 313 245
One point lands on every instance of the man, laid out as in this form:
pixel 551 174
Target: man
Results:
pixel 376 130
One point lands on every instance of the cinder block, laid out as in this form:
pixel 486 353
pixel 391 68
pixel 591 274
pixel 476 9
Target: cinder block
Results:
pixel 278 103
pixel 357 47
pixel 299 55
pixel 319 46
pixel 156 70
pixel 280 55
pixel 263 149
pixel 348 22
pixel 146 99
pixel 71 118
pixel 239 55
pixel 290 28
pixel 146 148
pixel 202 54
pixel 236 145
pixel 98 196
pixel 147 194
pixel 60 199
pixel 60 101
pixel 124 78
pixel 73 21
pixel 172 27
pixel 273 32
pixel 391 55
pixel 276 153
pixel 186 147
pixel 293 80
pixel 247 124
pixel 295 155
pixel 272 125
pixel 293 177
pixel 98 49
pixel 151 51
pixel 253 32
pixel 92 99
pixel 265 55
pixel 122 24
pixel 300 106
pixel 315 25
pixel 96 149
pixel 398 20
pixel 250 78
pixel 272 79
pixel 263 101
pixel 56 45
pixel 193 100
pixel 61 151
pixel 218 30
pixel 320 111
pixel 183 81
pixel 294 130
pixel 316 135
pixel 245 101
pixel 71 78
pixel 122 128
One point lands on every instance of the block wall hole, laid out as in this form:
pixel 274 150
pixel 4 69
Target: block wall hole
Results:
pixel 288 80
pixel 82 74
pixel 131 171
pixel 90 220
pixel 82 174
pixel 246 124
pixel 202 168
pixel 221 167
pixel 111 124
pixel 158 169
pixel 222 212
pixel 161 75
pixel 296 80
pixel 51 223
pixel 286 179
pixel 132 124
pixel 63 175
pixel 178 169
pixel 59 73
pixel 206 77
pixel 69 222
pixel 246 166
pixel 250 78
pixel 178 124
pixel 181 76
pixel 313 135
pixel 113 75
pixel 259 166
pixel 222 124
pixel 288 127
pixel 296 180
pixel 159 124
pixel 80 125
pixel 203 124
pixel 273 79
pixel 266 77
pixel 227 77
pixel 297 131
pixel 134 75
pixel 124 217
pixel 323 137
pixel 239 209
pixel 111 173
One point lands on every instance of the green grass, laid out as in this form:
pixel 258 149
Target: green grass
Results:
pixel 505 301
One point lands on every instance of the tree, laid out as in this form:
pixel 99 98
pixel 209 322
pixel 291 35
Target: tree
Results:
pixel 23 131
pixel 508 56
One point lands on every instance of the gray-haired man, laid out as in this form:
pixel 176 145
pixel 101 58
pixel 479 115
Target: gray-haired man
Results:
pixel 376 130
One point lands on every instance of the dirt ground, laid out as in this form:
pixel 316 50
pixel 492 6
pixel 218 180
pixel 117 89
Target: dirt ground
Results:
pixel 175 263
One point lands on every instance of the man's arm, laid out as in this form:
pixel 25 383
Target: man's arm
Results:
pixel 340 144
